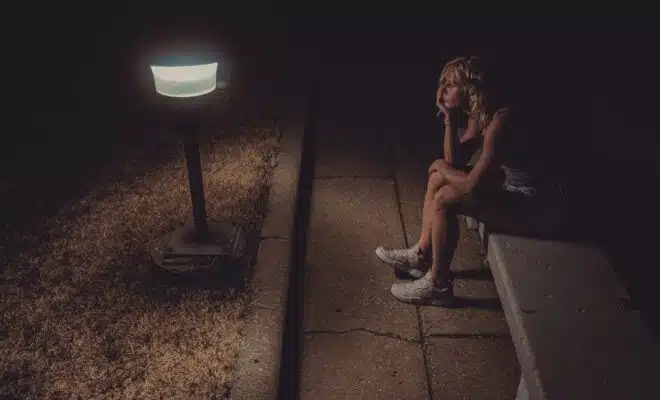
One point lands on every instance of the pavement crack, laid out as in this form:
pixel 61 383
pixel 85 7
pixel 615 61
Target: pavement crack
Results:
pixel 280 238
pixel 468 335
pixel 373 332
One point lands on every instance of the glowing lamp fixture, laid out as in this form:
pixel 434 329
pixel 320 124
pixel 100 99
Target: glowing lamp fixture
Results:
pixel 202 243
pixel 185 81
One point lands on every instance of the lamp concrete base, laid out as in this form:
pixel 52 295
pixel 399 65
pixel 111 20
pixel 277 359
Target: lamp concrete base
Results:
pixel 180 251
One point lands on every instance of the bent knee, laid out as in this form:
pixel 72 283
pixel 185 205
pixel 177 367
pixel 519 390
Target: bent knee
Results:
pixel 441 161
pixel 436 181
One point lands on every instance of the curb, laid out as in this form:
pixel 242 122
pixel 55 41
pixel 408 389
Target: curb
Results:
pixel 257 373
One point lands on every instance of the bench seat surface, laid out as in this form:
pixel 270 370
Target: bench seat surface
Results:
pixel 570 320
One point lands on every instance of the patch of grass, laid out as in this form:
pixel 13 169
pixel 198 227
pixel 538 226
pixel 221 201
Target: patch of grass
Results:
pixel 82 314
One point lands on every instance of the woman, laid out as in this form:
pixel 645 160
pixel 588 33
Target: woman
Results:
pixel 503 188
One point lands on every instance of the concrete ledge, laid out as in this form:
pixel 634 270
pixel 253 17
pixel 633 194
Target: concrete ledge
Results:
pixel 283 190
pixel 258 365
pixel 259 359
pixel 573 334
pixel 270 282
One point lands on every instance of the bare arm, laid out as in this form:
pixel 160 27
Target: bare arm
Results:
pixel 448 143
pixel 465 182
pixel 470 133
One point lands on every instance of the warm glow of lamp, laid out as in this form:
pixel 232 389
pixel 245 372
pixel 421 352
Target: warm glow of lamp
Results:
pixel 186 81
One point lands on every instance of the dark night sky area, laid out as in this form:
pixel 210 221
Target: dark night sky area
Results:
pixel 581 63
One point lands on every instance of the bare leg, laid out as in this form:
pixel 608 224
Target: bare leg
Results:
pixel 414 261
pixel 435 287
pixel 444 234
pixel 436 181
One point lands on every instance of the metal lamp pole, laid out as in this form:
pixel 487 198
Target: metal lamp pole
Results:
pixel 203 243
pixel 189 130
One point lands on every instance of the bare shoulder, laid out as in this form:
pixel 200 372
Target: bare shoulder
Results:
pixel 496 124
pixel 502 112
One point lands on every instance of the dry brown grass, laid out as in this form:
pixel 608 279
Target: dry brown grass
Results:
pixel 82 316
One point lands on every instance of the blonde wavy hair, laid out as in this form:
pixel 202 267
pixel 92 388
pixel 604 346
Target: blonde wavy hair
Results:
pixel 467 73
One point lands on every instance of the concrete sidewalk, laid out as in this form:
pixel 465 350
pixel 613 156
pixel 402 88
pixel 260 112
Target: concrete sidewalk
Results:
pixel 359 342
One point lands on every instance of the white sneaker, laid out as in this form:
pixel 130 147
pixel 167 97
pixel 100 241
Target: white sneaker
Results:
pixel 412 260
pixel 423 292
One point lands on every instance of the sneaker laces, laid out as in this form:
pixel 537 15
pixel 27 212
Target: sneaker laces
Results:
pixel 403 253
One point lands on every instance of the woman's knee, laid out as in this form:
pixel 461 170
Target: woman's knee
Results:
pixel 435 182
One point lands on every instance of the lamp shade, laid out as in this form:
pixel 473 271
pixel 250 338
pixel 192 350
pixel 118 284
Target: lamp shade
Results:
pixel 185 80
pixel 194 71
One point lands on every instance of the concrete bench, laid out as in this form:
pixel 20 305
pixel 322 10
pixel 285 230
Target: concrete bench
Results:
pixel 575 335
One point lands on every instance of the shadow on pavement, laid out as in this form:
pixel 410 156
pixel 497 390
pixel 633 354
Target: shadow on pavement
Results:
pixel 492 304
pixel 476 274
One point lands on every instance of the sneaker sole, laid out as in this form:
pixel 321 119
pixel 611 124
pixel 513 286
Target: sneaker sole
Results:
pixel 414 273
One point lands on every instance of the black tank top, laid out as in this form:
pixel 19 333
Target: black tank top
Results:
pixel 518 149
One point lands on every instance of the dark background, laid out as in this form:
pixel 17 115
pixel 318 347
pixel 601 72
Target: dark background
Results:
pixel 600 69
pixel 593 78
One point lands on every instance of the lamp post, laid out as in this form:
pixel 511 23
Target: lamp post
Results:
pixel 184 83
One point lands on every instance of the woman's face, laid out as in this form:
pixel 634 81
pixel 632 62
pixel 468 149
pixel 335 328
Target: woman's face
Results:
pixel 451 92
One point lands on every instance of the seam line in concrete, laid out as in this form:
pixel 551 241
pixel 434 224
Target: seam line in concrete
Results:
pixel 422 344
pixel 422 339
pixel 375 333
